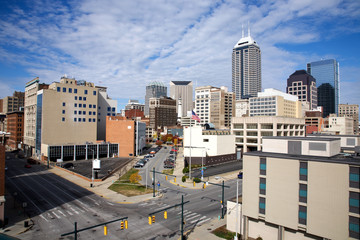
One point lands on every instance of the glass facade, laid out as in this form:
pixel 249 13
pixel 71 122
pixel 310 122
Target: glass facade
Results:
pixel 38 123
pixel 326 74
pixel 154 90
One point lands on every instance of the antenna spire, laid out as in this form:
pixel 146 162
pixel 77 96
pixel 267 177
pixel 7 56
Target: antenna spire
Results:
pixel 242 30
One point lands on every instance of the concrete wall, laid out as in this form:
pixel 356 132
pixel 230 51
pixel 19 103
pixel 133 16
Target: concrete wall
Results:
pixel 251 186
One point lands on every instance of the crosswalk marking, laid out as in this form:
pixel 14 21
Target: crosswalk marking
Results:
pixel 55 214
pixel 198 220
pixel 61 213
pixel 203 221
pixel 69 213
pixel 189 218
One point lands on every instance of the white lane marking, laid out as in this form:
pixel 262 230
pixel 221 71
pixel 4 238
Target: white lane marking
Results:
pixel 55 214
pixel 188 219
pixel 97 203
pixel 110 203
pixel 69 213
pixel 61 213
pixel 203 221
pixel 74 210
pixel 198 220
pixel 43 217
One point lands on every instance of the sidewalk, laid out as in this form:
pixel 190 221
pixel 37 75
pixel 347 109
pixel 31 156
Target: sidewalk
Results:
pixel 204 231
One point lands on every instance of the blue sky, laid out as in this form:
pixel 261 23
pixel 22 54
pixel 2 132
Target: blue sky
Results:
pixel 125 45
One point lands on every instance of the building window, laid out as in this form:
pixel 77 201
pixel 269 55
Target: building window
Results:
pixel 263 186
pixel 354 177
pixel 108 114
pixel 89 119
pixel 303 193
pixel 109 109
pixel 70 90
pixel 262 205
pixel 205 140
pixel 85 91
pixel 113 109
pixel 94 113
pixel 84 113
pixel 302 214
pixel 75 112
pixel 63 104
pixel 75 104
pixel 75 97
pixel 80 105
pixel 74 119
pixel 262 166
pixel 354 227
pixel 89 113
pixel 80 98
pixel 354 198
pixel 113 114
pixel 84 105
pixel 303 171
pixel 94 93
pixel 64 89
pixel 84 120
pixel 75 90
pixel 63 119
pixel 63 111
pixel 79 119
pixel 90 105
pixel 79 112
pixel 84 98
pixel 94 120
pixel 58 89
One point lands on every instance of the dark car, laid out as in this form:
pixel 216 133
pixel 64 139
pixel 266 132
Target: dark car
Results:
pixel 68 165
pixel 27 166
pixel 31 161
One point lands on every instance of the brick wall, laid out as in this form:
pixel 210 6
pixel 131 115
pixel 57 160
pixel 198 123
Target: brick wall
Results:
pixel 122 132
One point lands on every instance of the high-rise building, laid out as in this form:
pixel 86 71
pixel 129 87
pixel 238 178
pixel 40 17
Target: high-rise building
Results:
pixel 30 106
pixel 214 105
pixel 246 68
pixel 182 90
pixel 350 110
pixel 162 112
pixel 326 74
pixel 303 85
pixel 154 90
pixel 12 103
pixel 106 107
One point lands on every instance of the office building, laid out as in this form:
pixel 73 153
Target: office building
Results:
pixel 246 68
pixel 154 90
pixel 13 103
pixel 249 131
pixel 30 108
pixel 129 134
pixel 326 74
pixel 273 102
pixel 134 104
pixel 303 85
pixel 182 90
pixel 242 108
pixel 106 107
pixel 15 126
pixel 300 188
pixel 350 110
pixel 339 125
pixel 314 122
pixel 162 112
pixel 208 147
pixel 214 105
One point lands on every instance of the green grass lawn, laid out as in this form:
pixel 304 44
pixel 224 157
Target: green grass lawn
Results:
pixel 125 187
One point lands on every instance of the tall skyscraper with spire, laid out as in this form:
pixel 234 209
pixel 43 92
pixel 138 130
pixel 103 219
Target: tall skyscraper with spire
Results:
pixel 246 68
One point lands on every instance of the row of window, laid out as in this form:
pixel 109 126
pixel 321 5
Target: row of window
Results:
pixel 70 90
pixel 82 119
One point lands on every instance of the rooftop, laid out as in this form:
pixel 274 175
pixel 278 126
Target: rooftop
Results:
pixel 302 138
pixel 181 82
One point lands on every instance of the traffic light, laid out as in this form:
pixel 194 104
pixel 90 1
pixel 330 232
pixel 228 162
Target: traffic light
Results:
pixel 126 224
pixel 105 230
pixel 121 225
pixel 153 218
pixel 150 221
pixel 174 179
pixel 165 214
pixel 204 186
pixel 194 183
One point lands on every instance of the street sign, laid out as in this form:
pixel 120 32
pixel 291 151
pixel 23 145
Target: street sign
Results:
pixel 202 171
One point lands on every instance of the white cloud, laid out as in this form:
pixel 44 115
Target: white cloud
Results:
pixel 126 44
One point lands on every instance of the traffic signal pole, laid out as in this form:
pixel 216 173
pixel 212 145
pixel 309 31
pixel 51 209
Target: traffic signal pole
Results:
pixel 223 186
pixel 154 182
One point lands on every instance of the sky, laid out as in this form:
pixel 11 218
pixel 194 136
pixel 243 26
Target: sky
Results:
pixel 125 45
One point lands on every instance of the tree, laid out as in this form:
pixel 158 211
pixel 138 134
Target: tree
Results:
pixel 135 178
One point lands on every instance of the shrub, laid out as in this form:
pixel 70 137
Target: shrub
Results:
pixel 186 170
pixel 183 179
pixel 197 180
pixel 135 178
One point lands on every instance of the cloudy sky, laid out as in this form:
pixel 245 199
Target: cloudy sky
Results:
pixel 127 44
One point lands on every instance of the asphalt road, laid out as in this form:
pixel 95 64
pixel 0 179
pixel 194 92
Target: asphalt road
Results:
pixel 55 204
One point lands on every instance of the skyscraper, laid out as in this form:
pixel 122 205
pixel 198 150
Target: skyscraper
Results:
pixel 154 90
pixel 183 90
pixel 246 68
pixel 303 85
pixel 326 73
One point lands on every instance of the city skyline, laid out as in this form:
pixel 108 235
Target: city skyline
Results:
pixel 127 45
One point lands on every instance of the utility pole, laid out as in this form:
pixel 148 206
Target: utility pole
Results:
pixel 182 217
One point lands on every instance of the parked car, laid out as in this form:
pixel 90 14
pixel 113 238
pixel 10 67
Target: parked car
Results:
pixel 68 165
pixel 27 166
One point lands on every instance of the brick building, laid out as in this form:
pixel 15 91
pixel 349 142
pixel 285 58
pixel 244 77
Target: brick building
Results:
pixel 162 112
pixel 15 126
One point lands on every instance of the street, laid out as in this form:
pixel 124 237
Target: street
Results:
pixel 55 204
